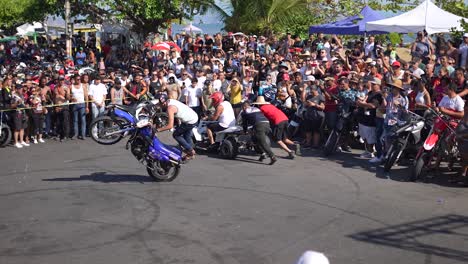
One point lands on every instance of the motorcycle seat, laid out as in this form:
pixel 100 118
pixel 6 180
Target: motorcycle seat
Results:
pixel 129 109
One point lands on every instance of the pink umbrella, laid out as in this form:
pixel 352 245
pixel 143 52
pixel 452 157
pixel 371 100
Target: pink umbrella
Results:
pixel 173 45
pixel 161 46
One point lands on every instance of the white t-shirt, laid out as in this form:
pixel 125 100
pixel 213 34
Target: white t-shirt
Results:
pixel 369 48
pixel 98 92
pixel 187 82
pixel 227 118
pixel 193 95
pixel 201 82
pixel 217 85
pixel 454 104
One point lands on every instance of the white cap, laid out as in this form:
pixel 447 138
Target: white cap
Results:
pixel 312 257
pixel 465 35
pixel 310 78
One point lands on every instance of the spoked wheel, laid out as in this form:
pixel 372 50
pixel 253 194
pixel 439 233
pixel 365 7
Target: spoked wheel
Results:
pixel 104 130
pixel 163 171
pixel 5 135
pixel 330 145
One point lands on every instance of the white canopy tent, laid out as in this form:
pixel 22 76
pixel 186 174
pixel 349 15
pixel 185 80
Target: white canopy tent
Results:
pixel 425 16
pixel 192 28
pixel 28 29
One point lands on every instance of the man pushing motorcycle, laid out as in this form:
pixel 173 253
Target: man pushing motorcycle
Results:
pixel 188 119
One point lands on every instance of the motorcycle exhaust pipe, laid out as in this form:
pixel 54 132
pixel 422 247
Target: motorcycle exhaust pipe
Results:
pixel 119 132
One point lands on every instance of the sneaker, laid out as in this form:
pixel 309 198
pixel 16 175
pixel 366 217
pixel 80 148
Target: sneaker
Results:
pixel 345 148
pixel 35 141
pixel 367 155
pixel 262 157
pixel 290 155
pixel 376 160
pixel 18 145
pixel 25 144
pixel 298 149
pixel 41 140
pixel 273 160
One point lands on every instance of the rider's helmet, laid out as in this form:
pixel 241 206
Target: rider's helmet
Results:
pixel 217 98
pixel 162 97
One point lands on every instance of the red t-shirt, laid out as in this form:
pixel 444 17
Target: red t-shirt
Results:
pixel 273 114
pixel 330 105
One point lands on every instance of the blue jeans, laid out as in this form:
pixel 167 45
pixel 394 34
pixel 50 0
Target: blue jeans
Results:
pixel 379 129
pixel 98 111
pixel 79 116
pixel 183 136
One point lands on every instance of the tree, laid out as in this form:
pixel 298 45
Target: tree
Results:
pixel 145 15
pixel 14 13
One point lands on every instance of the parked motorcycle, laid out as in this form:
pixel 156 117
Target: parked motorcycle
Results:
pixel 405 137
pixel 162 161
pixel 342 127
pixel 440 144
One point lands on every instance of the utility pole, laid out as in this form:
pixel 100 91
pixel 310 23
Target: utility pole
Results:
pixel 67 29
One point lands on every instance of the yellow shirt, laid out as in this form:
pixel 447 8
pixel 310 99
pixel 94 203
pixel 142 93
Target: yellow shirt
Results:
pixel 236 94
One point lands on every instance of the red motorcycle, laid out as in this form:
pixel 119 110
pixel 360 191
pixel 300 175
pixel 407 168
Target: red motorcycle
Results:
pixel 440 144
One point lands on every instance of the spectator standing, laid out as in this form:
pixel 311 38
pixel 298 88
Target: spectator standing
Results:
pixel 20 119
pixel 79 95
pixel 62 108
pixel 97 94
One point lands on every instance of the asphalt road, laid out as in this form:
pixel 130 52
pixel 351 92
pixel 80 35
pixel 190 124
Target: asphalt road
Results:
pixel 79 202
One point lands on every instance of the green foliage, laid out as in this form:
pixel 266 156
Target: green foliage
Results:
pixel 14 13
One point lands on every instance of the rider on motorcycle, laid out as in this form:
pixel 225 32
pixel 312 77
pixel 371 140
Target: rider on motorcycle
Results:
pixel 188 119
pixel 451 104
pixel 224 114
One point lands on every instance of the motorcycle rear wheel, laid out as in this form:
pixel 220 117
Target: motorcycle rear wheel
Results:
pixel 103 124
pixel 161 171
pixel 5 137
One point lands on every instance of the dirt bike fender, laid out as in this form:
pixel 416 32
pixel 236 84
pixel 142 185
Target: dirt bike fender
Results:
pixel 431 141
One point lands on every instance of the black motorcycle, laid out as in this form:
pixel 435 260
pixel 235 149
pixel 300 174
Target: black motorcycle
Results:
pixel 405 137
pixel 342 127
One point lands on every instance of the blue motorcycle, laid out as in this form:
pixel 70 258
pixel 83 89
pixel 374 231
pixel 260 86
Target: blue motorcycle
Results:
pixel 162 161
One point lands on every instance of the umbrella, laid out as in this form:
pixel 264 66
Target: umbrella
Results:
pixel 161 46
pixel 191 28
pixel 173 45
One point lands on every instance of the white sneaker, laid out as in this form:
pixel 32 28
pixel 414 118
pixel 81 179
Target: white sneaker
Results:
pixel 35 141
pixel 25 144
pixel 18 145
pixel 375 160
pixel 367 155
pixel 41 140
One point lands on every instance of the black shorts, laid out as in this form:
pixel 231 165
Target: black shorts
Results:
pixel 280 131
pixel 215 127
pixel 20 121
pixel 314 125
pixel 239 105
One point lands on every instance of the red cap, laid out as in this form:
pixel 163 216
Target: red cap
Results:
pixel 230 34
pixel 61 72
pixel 396 64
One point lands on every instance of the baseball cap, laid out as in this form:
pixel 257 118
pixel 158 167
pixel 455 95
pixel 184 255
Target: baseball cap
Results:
pixel 376 81
pixel 18 86
pixel 465 35
pixel 396 64
pixel 310 78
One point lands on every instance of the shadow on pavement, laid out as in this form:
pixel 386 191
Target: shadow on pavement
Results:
pixel 441 177
pixel 409 236
pixel 105 178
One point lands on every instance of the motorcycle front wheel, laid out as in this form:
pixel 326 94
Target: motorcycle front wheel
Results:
pixel 418 168
pixel 103 130
pixel 393 153
pixel 162 171
pixel 332 142
pixel 5 136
